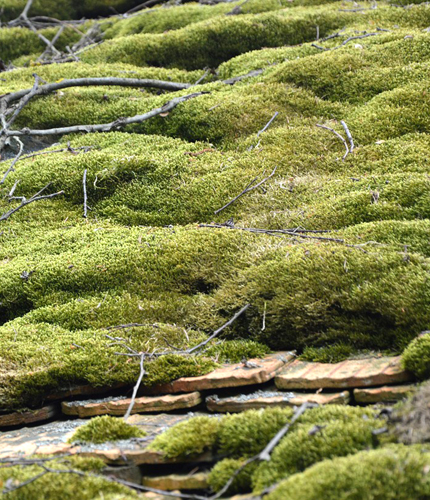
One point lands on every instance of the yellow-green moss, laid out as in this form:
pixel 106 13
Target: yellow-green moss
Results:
pixel 105 428
pixel 224 469
pixel 306 445
pixel 396 472
pixel 52 486
pixel 416 356
pixel 188 438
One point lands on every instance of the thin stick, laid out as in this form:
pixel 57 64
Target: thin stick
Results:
pixel 24 201
pixel 339 136
pixel 136 387
pixel 84 182
pixel 106 127
pixel 350 39
pixel 264 129
pixel 273 232
pixel 247 190
pixel 94 82
pixel 15 160
pixel 265 454
pixel 348 134
pixel 220 329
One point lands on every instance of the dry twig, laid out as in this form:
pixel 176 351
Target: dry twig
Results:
pixel 249 187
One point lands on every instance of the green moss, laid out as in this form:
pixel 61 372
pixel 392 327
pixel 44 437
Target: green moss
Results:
pixel 52 486
pixel 329 354
pixel 172 366
pixel 222 472
pixel 396 472
pixel 245 434
pixel 303 447
pixel 212 42
pixel 233 351
pixel 105 428
pixel 416 357
pixel 189 438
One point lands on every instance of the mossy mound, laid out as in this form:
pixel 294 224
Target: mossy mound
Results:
pixel 189 438
pixel 396 472
pixel 60 484
pixel 416 356
pixel 106 428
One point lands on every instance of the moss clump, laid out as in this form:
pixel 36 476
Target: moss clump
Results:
pixel 188 438
pixel 245 434
pixel 222 472
pixel 166 368
pixel 306 444
pixel 105 428
pixel 52 486
pixel 416 357
pixel 212 42
pixel 396 472
pixel 329 354
pixel 233 351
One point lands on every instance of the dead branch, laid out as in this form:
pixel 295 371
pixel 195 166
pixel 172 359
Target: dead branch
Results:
pixel 232 81
pixel 92 82
pixel 51 46
pixel 348 134
pixel 136 387
pixel 249 188
pixel 265 454
pixel 220 329
pixel 36 197
pixel 339 136
pixel 106 127
pixel 14 161
pixel 349 39
pixel 263 130
pixel 84 183
pixel 273 232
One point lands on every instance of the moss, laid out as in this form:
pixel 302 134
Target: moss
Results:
pixel 416 357
pixel 247 433
pixel 189 438
pixel 233 351
pixel 396 472
pixel 329 354
pixel 105 428
pixel 172 366
pixel 63 485
pixel 222 472
pixel 303 447
pixel 209 43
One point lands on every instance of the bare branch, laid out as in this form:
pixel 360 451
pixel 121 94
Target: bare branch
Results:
pixel 263 130
pixel 339 136
pixel 14 161
pixel 84 182
pixel 349 39
pixel 136 387
pixel 249 188
pixel 24 201
pixel 220 329
pixel 106 127
pixel 274 232
pixel 348 134
pixel 93 82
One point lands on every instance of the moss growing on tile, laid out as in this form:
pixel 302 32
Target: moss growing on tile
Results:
pixel 54 485
pixel 224 469
pixel 395 472
pixel 106 428
pixel 308 444
pixel 416 356
pixel 189 438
